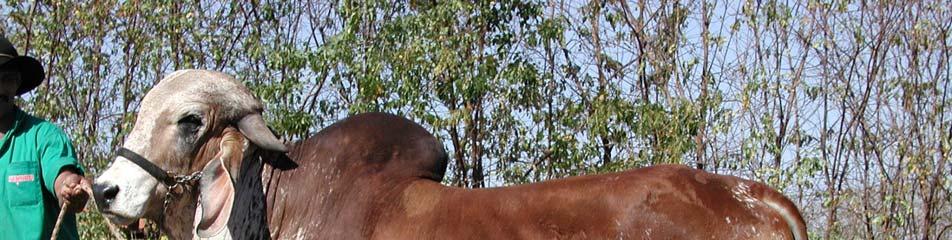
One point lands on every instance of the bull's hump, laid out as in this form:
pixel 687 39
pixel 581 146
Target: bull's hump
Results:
pixel 385 143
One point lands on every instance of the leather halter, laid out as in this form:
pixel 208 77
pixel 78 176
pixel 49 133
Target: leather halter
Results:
pixel 156 171
pixel 172 182
pixel 149 167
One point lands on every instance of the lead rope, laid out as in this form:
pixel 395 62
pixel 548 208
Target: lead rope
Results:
pixel 59 221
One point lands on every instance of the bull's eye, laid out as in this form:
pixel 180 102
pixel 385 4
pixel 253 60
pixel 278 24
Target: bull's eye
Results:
pixel 190 123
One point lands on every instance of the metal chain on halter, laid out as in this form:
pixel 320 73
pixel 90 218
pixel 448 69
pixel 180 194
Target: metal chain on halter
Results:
pixel 180 185
pixel 183 182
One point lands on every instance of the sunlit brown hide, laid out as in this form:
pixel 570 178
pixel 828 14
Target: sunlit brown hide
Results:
pixel 377 176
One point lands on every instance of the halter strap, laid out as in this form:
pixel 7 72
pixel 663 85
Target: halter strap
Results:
pixel 179 182
pixel 149 167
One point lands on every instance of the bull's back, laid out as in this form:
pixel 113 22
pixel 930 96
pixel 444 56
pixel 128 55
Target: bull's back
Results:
pixel 665 202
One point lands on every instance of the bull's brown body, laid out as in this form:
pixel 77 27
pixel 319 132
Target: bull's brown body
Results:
pixel 376 176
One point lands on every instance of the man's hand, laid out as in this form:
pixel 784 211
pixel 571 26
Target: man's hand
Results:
pixel 71 189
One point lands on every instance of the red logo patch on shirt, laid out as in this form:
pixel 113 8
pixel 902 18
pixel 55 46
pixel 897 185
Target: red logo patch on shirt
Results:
pixel 17 179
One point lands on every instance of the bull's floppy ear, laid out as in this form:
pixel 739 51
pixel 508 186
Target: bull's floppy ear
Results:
pixel 256 130
pixel 217 191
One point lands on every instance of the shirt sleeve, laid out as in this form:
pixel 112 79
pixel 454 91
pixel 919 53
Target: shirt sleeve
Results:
pixel 56 153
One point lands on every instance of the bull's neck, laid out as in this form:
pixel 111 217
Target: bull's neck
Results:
pixel 247 219
pixel 179 216
pixel 326 196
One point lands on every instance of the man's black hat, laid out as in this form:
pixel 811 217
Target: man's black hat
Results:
pixel 31 71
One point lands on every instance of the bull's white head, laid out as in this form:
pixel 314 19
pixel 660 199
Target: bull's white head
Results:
pixel 192 121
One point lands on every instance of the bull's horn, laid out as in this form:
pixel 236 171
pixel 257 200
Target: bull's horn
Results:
pixel 254 128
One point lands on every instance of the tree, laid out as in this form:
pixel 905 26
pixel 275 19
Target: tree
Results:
pixel 841 105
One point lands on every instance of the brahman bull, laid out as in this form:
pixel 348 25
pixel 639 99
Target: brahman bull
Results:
pixel 202 163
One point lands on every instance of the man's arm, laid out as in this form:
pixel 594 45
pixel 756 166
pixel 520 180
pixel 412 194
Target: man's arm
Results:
pixel 62 173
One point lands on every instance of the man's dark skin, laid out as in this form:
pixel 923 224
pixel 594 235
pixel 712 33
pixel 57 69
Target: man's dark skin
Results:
pixel 70 187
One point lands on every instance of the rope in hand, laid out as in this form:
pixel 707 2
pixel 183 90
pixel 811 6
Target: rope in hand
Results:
pixel 62 213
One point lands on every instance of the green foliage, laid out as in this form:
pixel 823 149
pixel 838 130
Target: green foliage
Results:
pixel 841 105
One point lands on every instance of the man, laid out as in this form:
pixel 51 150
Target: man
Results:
pixel 39 168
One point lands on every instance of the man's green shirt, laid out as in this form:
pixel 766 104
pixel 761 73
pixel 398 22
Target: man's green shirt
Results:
pixel 32 154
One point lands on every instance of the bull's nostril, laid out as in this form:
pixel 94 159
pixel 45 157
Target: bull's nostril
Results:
pixel 110 192
pixel 104 194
